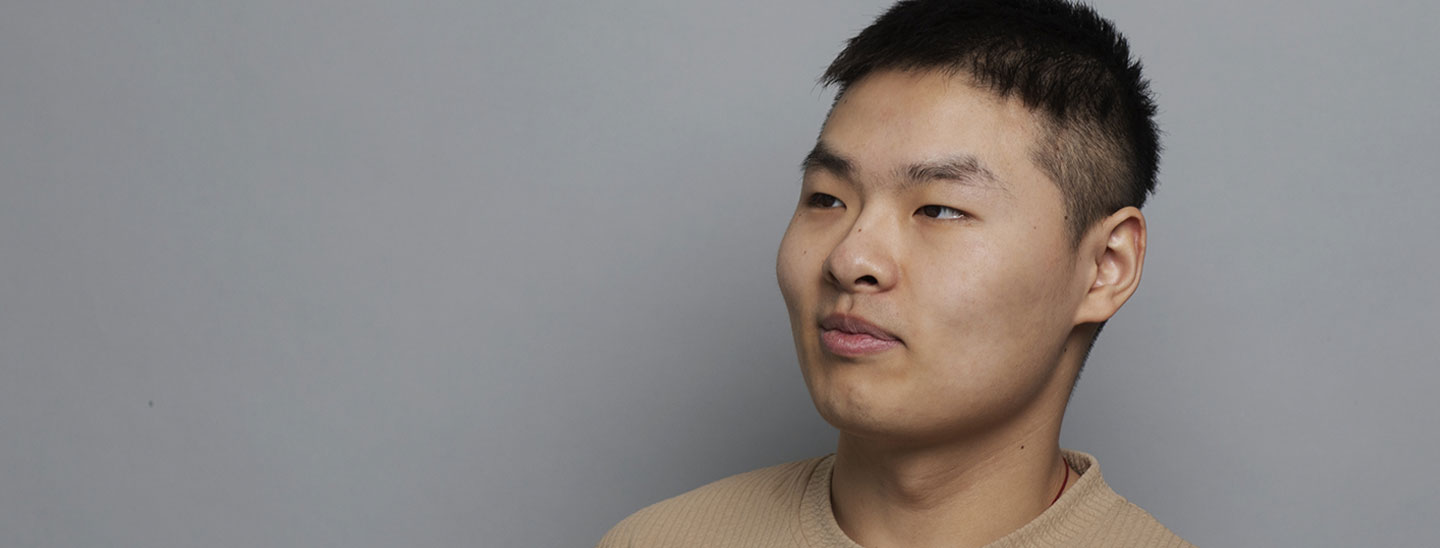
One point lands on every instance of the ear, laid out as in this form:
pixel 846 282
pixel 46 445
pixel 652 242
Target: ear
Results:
pixel 1115 249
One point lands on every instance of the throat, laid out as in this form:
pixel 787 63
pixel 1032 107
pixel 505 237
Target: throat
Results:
pixel 941 497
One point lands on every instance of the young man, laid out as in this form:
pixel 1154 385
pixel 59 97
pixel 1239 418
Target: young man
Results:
pixel 967 222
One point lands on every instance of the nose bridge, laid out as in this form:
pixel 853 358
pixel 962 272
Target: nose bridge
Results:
pixel 864 258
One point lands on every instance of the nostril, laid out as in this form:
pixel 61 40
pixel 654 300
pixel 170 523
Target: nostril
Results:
pixel 867 279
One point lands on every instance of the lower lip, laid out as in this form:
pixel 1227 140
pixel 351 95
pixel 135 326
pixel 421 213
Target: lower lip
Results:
pixel 855 344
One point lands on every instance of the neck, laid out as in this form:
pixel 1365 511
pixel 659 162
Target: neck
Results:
pixel 967 491
pixel 950 496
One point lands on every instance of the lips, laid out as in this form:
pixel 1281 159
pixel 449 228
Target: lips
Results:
pixel 852 336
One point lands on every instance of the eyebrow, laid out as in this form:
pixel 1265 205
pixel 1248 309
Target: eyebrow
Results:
pixel 960 168
pixel 822 158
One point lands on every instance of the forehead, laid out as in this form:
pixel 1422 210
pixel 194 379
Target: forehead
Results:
pixel 892 119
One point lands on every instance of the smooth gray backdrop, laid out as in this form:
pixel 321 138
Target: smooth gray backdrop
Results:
pixel 364 274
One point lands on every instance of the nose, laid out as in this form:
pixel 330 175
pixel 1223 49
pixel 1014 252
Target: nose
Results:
pixel 864 261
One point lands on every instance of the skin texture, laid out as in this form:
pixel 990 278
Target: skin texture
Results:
pixel 923 214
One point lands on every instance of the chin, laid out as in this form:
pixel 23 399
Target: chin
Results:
pixel 865 413
pixel 901 430
pixel 855 421
pixel 905 414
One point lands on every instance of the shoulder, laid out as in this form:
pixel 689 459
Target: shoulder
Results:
pixel 1130 525
pixel 750 508
pixel 1114 520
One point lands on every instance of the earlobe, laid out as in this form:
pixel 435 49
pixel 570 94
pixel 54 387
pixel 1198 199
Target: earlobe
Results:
pixel 1119 259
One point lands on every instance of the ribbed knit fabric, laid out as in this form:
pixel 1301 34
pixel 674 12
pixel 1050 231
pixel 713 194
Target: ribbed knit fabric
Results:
pixel 789 505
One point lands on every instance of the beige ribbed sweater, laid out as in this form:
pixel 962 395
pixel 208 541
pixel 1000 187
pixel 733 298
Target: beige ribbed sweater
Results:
pixel 789 505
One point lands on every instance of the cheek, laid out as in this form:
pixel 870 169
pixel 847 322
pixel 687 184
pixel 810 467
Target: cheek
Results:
pixel 994 299
pixel 794 268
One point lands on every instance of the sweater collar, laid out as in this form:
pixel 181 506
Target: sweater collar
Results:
pixel 1078 510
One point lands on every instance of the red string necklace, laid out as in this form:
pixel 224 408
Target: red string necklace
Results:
pixel 1062 483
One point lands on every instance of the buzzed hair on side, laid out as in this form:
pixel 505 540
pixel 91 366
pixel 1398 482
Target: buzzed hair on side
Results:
pixel 1062 60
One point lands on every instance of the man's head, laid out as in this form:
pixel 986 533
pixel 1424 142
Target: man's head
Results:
pixel 968 217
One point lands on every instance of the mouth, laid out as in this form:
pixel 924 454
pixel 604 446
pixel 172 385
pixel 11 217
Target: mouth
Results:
pixel 852 336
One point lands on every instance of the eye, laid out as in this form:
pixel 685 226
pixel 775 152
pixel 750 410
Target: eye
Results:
pixel 823 201
pixel 941 212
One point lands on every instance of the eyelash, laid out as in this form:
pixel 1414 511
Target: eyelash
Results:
pixel 823 201
pixel 820 200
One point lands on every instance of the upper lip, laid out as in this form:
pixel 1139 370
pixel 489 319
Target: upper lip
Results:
pixel 855 324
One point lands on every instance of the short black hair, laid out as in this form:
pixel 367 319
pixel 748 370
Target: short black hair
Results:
pixel 1062 60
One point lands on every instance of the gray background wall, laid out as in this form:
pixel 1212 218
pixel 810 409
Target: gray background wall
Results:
pixel 498 274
